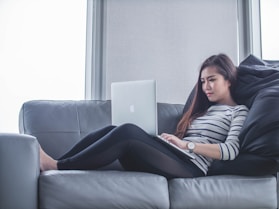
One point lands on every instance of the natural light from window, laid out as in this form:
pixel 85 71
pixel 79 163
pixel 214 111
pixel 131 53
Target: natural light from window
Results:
pixel 42 53
pixel 270 30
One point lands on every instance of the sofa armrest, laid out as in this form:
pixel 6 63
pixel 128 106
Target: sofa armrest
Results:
pixel 19 171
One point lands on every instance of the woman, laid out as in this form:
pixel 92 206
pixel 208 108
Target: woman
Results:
pixel 209 129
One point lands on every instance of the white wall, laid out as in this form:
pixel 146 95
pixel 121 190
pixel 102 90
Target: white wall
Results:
pixel 167 41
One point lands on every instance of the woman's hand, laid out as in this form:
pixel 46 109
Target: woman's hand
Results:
pixel 207 150
pixel 175 140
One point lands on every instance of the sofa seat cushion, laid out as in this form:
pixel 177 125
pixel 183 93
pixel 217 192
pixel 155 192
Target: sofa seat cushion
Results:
pixel 102 189
pixel 219 192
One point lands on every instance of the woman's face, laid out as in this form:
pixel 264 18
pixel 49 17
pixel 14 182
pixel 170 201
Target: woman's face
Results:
pixel 214 85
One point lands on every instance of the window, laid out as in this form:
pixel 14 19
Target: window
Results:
pixel 269 29
pixel 42 52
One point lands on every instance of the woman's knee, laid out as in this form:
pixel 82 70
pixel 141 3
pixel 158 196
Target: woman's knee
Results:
pixel 130 127
pixel 129 130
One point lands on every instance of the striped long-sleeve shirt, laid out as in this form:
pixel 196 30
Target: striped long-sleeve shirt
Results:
pixel 221 125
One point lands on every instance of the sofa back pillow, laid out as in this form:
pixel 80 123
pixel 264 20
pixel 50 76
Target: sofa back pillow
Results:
pixel 258 89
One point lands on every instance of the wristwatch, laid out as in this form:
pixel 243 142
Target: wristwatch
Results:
pixel 191 146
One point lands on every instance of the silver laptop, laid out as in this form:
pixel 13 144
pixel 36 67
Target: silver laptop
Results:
pixel 135 102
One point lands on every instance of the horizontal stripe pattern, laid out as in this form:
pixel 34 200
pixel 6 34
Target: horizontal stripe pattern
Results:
pixel 221 125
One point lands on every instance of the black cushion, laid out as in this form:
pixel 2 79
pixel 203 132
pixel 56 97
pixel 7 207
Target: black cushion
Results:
pixel 258 88
pixel 246 165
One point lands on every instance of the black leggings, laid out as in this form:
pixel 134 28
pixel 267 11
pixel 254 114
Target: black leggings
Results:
pixel 134 148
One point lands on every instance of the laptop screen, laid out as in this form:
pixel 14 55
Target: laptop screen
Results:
pixel 135 102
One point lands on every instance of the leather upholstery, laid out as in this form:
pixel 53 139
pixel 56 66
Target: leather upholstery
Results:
pixel 19 171
pixel 219 192
pixel 62 122
pixel 102 190
pixel 58 124
pixel 68 121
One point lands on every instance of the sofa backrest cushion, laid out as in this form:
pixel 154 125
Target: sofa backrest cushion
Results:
pixel 59 124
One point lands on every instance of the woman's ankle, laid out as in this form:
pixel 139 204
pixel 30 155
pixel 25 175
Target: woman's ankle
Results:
pixel 47 162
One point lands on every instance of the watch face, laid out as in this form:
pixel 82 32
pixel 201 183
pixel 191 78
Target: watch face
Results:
pixel 191 145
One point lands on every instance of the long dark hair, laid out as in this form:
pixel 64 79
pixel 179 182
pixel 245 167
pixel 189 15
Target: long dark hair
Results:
pixel 200 103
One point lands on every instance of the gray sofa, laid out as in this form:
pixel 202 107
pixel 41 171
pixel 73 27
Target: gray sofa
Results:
pixel 57 125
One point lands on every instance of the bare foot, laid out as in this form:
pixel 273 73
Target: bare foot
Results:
pixel 47 162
